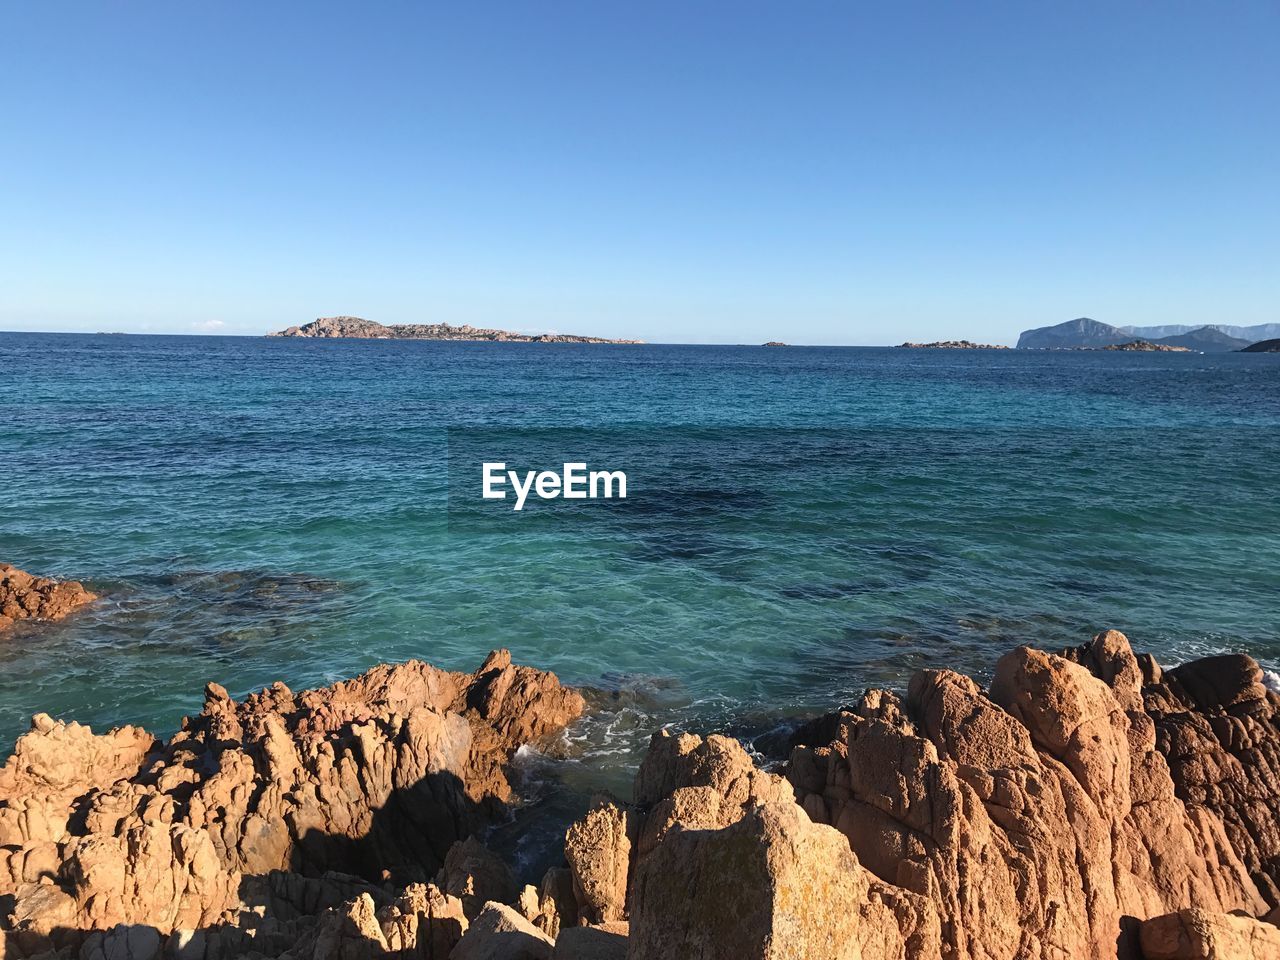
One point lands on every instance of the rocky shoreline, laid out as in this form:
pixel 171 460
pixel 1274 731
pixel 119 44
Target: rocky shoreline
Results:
pixel 1086 804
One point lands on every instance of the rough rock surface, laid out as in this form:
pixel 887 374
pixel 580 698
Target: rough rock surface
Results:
pixel 1035 818
pixel 500 933
pixel 598 848
pixel 1086 804
pixel 592 943
pixel 1197 935
pixel 239 821
pixel 1045 818
pixel 24 596
pixel 1218 728
pixel 476 876
pixel 797 893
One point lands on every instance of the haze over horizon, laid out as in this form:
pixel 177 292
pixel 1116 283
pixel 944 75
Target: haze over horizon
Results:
pixel 719 174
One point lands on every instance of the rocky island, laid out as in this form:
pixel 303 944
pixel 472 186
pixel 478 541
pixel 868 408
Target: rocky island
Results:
pixel 357 328
pixel 1144 346
pixel 952 345
pixel 1084 804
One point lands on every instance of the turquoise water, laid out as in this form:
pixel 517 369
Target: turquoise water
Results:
pixel 825 519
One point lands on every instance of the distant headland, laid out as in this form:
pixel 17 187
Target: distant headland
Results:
pixel 357 328
pixel 1263 346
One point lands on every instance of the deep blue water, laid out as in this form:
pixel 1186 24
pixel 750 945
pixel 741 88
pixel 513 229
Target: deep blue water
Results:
pixel 822 519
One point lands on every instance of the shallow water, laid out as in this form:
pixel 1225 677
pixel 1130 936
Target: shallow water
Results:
pixel 804 522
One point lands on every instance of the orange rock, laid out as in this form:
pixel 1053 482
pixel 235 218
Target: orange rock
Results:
pixel 1088 804
pixel 1197 935
pixel 248 811
pixel 771 886
pixel 24 596
pixel 598 848
pixel 1039 820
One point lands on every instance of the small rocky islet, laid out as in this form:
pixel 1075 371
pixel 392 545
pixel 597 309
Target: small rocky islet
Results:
pixel 1085 804
pixel 952 345
pixel 357 328
pixel 1145 346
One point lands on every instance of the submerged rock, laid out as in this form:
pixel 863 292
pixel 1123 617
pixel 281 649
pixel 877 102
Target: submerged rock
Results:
pixel 24 596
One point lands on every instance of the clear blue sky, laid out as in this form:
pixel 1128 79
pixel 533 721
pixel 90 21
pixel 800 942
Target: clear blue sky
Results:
pixel 679 171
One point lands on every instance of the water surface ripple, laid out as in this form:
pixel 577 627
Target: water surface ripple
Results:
pixel 257 510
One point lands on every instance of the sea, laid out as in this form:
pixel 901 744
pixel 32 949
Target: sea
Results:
pixel 801 523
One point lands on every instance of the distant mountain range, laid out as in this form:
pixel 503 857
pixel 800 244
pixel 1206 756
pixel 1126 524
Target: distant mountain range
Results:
pixel 1206 340
pixel 1084 333
pixel 1261 331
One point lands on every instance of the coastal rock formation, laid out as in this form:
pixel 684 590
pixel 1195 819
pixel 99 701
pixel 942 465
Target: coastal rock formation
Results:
pixel 1055 814
pixel 501 933
pixel 360 329
pixel 1218 728
pixel 260 802
pixel 727 864
pixel 24 596
pixel 598 848
pixel 952 345
pixel 1051 782
pixel 476 876
pixel 797 893
pixel 1086 804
